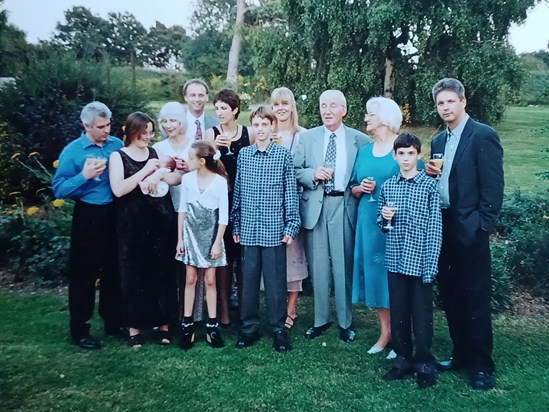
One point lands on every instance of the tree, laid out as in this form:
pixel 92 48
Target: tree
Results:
pixel 166 45
pixel 14 49
pixel 365 47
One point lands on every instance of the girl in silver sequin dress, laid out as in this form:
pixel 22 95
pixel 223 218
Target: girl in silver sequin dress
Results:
pixel 203 217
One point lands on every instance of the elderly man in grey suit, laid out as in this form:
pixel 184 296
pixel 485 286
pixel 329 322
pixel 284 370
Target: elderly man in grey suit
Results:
pixel 195 93
pixel 324 160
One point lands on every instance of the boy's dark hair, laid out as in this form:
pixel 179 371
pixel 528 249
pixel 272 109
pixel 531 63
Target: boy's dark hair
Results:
pixel 407 140
pixel 263 112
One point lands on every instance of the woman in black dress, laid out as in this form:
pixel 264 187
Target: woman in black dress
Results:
pixel 146 230
pixel 229 137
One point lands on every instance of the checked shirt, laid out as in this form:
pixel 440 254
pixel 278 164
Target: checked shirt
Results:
pixel 413 245
pixel 265 201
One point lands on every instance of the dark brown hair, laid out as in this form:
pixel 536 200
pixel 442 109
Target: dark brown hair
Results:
pixel 406 140
pixel 264 112
pixel 205 150
pixel 230 97
pixel 135 125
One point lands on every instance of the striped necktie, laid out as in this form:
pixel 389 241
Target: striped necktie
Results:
pixel 329 161
pixel 198 134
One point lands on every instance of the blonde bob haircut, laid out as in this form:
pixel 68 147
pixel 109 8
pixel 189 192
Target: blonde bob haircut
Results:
pixel 283 94
pixel 387 111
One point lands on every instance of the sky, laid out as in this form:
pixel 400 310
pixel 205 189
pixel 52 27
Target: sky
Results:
pixel 38 18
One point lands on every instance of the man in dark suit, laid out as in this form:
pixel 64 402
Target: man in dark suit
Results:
pixel 195 92
pixel 471 190
pixel 324 161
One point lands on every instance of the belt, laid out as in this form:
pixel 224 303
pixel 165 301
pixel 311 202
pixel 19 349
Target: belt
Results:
pixel 334 193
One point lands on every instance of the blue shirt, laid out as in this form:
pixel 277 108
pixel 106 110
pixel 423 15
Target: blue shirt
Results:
pixel 265 202
pixel 69 182
pixel 413 244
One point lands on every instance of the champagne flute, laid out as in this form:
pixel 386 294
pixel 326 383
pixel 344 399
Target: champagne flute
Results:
pixel 390 205
pixel 275 138
pixel 371 179
pixel 228 142
pixel 437 159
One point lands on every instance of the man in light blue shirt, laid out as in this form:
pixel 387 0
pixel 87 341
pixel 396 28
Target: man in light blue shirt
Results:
pixel 82 175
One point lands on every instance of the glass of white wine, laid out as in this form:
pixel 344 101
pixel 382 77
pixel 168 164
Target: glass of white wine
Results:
pixel 96 160
pixel 392 206
pixel 372 198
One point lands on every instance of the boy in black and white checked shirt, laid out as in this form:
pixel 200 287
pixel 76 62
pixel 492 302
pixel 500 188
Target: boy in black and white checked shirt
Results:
pixel 265 218
pixel 410 202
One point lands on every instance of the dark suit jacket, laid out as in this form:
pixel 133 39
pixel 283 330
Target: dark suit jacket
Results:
pixel 475 182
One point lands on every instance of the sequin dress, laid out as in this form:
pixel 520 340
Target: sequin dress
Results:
pixel 205 210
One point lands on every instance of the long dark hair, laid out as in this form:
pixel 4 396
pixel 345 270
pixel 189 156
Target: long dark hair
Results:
pixel 205 150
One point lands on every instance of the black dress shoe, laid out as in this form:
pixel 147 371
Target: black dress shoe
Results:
pixel 316 331
pixel 450 365
pixel 397 373
pixel 482 380
pixel 87 342
pixel 347 335
pixel 425 380
pixel 246 339
pixel 281 341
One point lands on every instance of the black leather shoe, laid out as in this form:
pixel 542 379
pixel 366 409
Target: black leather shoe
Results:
pixel 281 341
pixel 397 373
pixel 246 339
pixel 450 365
pixel 425 380
pixel 87 342
pixel 316 331
pixel 483 380
pixel 347 335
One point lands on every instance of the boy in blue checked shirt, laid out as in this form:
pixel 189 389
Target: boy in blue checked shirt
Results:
pixel 265 218
pixel 409 212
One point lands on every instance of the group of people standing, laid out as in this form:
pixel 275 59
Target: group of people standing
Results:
pixel 270 204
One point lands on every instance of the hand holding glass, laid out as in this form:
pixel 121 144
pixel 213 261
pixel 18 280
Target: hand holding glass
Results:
pixel 437 160
pixel 97 162
pixel 391 207
pixel 372 180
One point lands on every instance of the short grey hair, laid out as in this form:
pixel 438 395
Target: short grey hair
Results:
pixel 450 84
pixel 336 94
pixel 93 110
pixel 172 110
pixel 388 112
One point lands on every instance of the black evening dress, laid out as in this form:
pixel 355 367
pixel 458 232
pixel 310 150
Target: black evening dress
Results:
pixel 147 237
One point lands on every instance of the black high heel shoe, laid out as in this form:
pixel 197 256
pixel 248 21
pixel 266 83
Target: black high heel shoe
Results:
pixel 213 337
pixel 187 336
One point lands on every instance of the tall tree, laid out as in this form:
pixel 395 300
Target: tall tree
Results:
pixel 367 46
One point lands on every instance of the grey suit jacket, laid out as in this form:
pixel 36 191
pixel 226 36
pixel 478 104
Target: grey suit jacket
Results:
pixel 308 157
pixel 210 121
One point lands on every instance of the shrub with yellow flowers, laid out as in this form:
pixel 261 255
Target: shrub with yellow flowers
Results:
pixel 35 238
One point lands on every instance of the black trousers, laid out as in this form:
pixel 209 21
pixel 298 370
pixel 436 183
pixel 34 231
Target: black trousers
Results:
pixel 464 281
pixel 93 255
pixel 271 261
pixel 411 308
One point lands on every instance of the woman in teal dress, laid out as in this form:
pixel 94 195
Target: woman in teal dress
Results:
pixel 373 166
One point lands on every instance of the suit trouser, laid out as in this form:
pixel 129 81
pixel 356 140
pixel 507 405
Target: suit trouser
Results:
pixel 271 261
pixel 412 308
pixel 329 248
pixel 93 255
pixel 465 288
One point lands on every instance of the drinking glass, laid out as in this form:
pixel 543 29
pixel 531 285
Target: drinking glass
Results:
pixel 96 161
pixel 372 199
pixel 437 159
pixel 391 205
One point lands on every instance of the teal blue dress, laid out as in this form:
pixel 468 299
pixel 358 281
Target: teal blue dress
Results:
pixel 369 273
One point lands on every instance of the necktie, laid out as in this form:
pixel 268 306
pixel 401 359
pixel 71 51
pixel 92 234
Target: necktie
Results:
pixel 198 134
pixel 329 161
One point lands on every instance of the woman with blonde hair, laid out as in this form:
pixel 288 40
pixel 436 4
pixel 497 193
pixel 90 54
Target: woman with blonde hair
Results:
pixel 287 134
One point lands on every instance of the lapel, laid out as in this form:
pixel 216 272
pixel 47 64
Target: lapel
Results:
pixel 350 144
pixel 464 142
pixel 318 146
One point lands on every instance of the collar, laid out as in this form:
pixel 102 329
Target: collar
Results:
pixel 191 119
pixel 458 130
pixel 420 175
pixel 339 132
pixel 87 142
pixel 267 150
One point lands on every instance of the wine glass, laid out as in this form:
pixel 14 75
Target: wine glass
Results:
pixel 391 205
pixel 371 179
pixel 437 159
pixel 96 160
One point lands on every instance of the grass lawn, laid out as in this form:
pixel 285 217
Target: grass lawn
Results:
pixel 42 371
